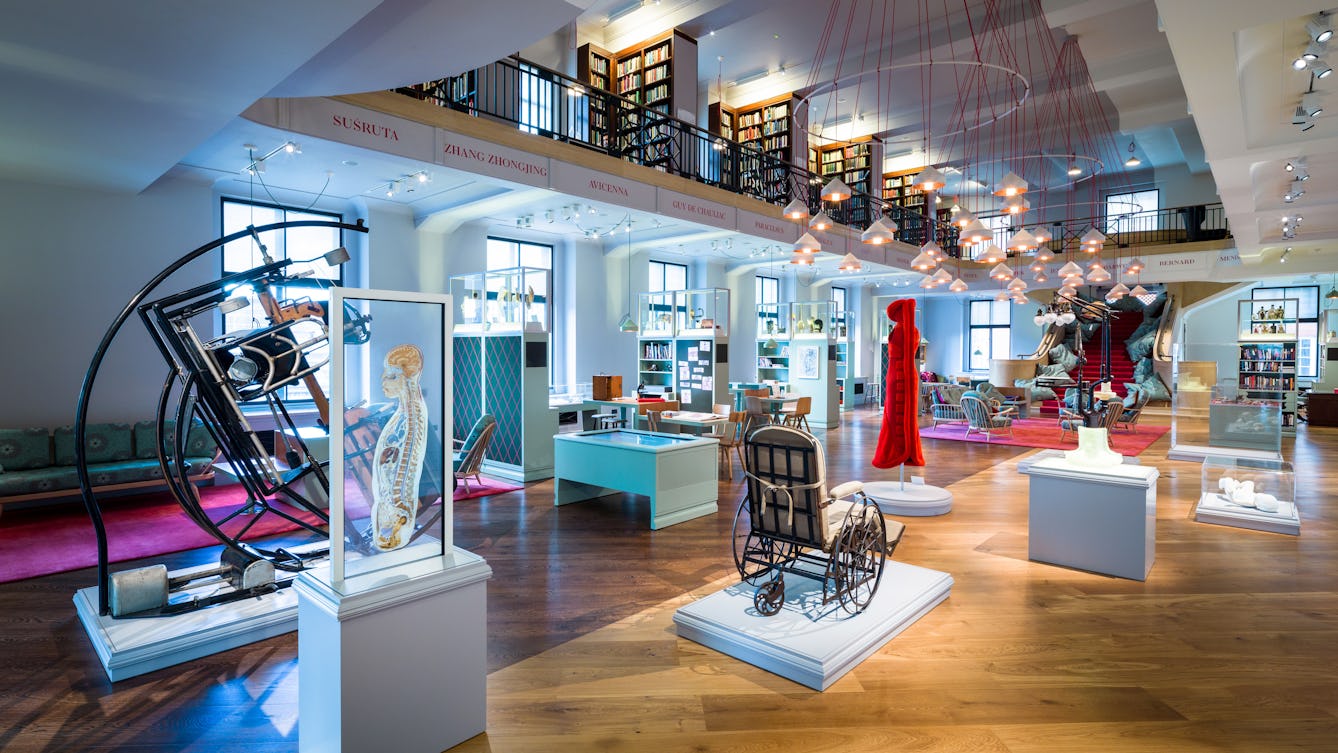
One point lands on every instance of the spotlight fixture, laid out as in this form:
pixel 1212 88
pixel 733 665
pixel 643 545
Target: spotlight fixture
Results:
pixel 1320 68
pixel 292 147
pixel 1310 103
pixel 1319 28
pixel 1285 253
pixel 1289 166
pixel 1133 160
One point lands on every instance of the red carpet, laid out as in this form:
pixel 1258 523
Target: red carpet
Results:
pixel 489 486
pixel 45 540
pixel 1044 432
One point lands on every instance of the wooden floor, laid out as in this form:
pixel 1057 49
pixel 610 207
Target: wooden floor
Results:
pixel 1231 644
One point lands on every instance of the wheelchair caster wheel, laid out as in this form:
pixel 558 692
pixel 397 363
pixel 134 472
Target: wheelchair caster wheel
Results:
pixel 769 597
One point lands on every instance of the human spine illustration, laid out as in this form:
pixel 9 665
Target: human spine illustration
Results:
pixel 400 450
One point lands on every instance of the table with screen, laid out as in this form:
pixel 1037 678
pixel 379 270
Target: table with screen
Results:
pixel 677 472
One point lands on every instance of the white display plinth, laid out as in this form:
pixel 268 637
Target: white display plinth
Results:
pixel 1030 460
pixel 401 664
pixel 913 500
pixel 132 646
pixel 1214 508
pixel 1102 519
pixel 807 642
pixel 1196 453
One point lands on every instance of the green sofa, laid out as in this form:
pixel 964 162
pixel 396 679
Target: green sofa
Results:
pixel 38 464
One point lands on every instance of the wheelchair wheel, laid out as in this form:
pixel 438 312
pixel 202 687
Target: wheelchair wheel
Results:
pixel 770 596
pixel 858 557
pixel 755 555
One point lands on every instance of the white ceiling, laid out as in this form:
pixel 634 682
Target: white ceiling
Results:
pixel 115 96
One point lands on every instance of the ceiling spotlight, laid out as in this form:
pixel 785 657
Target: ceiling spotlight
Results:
pixel 1074 170
pixel 292 147
pixel 1319 28
pixel 1310 104
pixel 1320 68
pixel 1286 252
pixel 1289 167
pixel 1300 63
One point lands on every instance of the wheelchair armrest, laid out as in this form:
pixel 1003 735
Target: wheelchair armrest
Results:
pixel 848 489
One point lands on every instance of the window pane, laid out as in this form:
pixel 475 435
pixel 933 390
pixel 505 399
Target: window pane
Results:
pixel 1267 294
pixel 980 312
pixel 502 254
pixel 979 349
pixel 999 342
pixel 1307 301
pixel 1000 311
pixel 1307 350
pixel 533 255
pixel 675 277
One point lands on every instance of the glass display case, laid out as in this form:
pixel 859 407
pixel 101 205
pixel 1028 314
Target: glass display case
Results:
pixel 1266 320
pixel 1235 420
pixel 773 320
pixel 813 318
pixel 388 503
pixel 504 300
pixel 703 313
pixel 657 315
pixel 1249 493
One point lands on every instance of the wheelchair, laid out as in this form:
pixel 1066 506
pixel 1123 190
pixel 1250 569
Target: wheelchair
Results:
pixel 789 522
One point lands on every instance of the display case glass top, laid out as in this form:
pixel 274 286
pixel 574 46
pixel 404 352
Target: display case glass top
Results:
pixel 1264 485
pixel 703 313
pixel 813 318
pixel 773 321
pixel 658 314
pixel 1267 321
pixel 505 300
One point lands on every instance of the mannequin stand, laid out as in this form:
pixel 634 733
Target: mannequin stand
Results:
pixel 913 499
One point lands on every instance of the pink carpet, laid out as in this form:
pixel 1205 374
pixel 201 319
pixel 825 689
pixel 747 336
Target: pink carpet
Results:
pixel 44 540
pixel 489 486
pixel 1044 432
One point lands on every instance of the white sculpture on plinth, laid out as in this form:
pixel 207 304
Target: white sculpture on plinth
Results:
pixel 1242 493
pixel 1093 449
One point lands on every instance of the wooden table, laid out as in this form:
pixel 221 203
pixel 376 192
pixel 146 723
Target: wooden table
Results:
pixel 1322 409
pixel 693 419
pixel 677 472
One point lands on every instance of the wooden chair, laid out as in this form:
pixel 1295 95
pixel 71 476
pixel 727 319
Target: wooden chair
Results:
pixel 798 415
pixel 468 460
pixel 652 413
pixel 756 413
pixel 730 436
pixel 1129 416
pixel 982 417
pixel 721 409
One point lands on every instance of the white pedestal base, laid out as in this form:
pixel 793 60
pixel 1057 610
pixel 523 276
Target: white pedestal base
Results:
pixel 400 664
pixel 1213 508
pixel 1196 453
pixel 807 642
pixel 914 500
pixel 1101 519
pixel 133 646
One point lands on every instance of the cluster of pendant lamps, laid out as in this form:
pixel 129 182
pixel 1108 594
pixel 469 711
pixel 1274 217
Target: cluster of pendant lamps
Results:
pixel 931 259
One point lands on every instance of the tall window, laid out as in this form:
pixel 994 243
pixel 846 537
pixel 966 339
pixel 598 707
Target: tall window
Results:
pixel 840 297
pixel 536 101
pixel 766 289
pixel 1307 324
pixel 294 243
pixel 1133 211
pixel 987 333
pixel 667 276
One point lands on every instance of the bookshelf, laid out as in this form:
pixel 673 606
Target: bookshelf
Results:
pixel 853 162
pixel 768 127
pixel 720 120
pixel 593 66
pixel 655 364
pixel 899 189
pixel 661 75
pixel 1267 338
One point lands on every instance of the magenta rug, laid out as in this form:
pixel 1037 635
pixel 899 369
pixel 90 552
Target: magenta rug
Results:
pixel 1044 432
pixel 487 487
pixel 44 540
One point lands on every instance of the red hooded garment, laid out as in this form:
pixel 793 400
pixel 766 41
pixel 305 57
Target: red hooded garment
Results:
pixel 899 440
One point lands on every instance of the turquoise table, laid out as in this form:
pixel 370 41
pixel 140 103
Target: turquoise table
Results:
pixel 678 472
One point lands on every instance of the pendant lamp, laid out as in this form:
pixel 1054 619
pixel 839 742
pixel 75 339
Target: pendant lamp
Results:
pixel 795 210
pixel 1043 252
pixel 958 286
pixel 1138 292
pixel 1037 266
pixel 976 232
pixel 1016 205
pixel 835 190
pixel 1040 277
pixel 1022 240
pixel 820 221
pixel 932 248
pixel 930 179
pixel 928 282
pixel 1001 296
pixel 963 218
pixel 923 261
pixel 1012 184
pixel 993 254
pixel 804 259
pixel 849 264
pixel 1098 275
pixel 1017 284
pixel 1118 290
pixel 1133 267
pixel 1001 272
pixel 1041 234
pixel 877 234
pixel 627 323
pixel 1070 270
pixel 1092 239
pixel 941 276
pixel 807 244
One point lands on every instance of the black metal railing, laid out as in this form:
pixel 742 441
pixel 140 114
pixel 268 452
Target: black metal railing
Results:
pixel 547 103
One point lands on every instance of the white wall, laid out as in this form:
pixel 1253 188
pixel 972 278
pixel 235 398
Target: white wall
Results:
pixel 70 261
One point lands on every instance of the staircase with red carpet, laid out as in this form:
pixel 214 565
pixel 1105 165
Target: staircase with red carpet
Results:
pixel 1122 326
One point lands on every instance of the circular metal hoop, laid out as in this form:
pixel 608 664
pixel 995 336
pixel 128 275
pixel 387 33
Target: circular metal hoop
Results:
pixel 1013 106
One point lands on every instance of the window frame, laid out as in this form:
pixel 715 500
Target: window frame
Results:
pixel 279 253
pixel 761 283
pixel 552 287
pixel 663 266
pixel 1129 222
pixel 992 327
